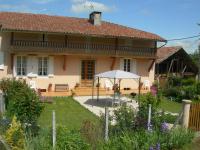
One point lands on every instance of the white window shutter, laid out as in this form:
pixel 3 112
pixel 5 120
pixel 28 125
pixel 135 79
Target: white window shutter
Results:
pixel 1 60
pixel 134 66
pixel 29 66
pixel 35 65
pixel 32 65
pixel 51 66
pixel 15 66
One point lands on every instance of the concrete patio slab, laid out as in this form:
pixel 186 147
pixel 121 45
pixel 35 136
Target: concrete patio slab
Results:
pixel 98 107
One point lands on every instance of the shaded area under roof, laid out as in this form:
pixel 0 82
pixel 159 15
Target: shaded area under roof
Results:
pixel 167 55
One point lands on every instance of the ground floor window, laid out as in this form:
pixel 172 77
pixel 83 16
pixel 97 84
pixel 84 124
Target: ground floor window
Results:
pixel 21 65
pixel 127 65
pixel 43 66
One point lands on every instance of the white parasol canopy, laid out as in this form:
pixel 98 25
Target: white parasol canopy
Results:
pixel 117 74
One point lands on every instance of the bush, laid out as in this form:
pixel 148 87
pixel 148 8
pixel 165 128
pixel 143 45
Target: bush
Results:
pixel 15 136
pixel 69 140
pixel 188 81
pixel 142 115
pixel 174 93
pixel 174 81
pixel 21 101
pixel 124 117
pixel 143 140
pixel 40 142
pixel 92 133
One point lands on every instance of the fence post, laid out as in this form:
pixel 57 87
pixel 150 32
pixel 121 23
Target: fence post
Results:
pixel 149 118
pixel 2 103
pixel 54 128
pixel 106 123
pixel 186 113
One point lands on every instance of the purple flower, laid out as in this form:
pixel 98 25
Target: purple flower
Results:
pixel 151 148
pixel 158 146
pixel 164 127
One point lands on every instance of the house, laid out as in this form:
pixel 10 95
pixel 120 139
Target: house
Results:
pixel 58 50
pixel 176 61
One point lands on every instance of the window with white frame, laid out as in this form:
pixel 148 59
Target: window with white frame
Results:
pixel 21 65
pixel 43 66
pixel 127 65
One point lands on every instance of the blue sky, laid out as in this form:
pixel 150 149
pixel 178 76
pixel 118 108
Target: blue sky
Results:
pixel 168 18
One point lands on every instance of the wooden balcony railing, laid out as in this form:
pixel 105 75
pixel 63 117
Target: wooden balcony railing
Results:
pixel 87 48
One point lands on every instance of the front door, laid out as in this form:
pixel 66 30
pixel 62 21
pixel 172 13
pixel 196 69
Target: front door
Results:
pixel 87 72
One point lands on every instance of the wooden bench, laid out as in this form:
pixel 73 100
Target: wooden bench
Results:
pixel 61 87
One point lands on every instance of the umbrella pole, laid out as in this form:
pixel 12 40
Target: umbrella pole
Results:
pixel 120 85
pixel 139 91
pixel 114 88
pixel 98 90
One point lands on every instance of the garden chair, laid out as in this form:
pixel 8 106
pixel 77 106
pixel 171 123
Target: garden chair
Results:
pixel 146 84
pixel 107 85
pixel 32 85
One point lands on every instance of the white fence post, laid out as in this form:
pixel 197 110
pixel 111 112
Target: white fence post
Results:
pixel 2 103
pixel 54 128
pixel 106 123
pixel 149 118
pixel 186 113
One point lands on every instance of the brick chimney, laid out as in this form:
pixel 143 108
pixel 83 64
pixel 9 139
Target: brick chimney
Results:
pixel 95 18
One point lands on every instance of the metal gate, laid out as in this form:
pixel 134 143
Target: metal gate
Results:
pixel 194 121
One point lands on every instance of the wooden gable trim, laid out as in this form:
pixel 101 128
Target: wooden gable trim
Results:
pixel 151 65
pixel 113 63
pixel 64 62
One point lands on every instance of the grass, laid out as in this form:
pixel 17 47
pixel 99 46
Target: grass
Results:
pixel 170 106
pixel 68 113
pixel 195 145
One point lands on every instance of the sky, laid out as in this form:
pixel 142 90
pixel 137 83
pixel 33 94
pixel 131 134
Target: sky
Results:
pixel 170 19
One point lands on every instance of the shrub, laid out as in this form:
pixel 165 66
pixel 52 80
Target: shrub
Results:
pixel 188 81
pixel 198 88
pixel 174 81
pixel 142 115
pixel 69 140
pixel 124 117
pixel 40 142
pixel 92 133
pixel 142 140
pixel 15 136
pixel 21 101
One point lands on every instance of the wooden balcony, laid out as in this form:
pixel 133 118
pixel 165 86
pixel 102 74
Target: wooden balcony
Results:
pixel 80 48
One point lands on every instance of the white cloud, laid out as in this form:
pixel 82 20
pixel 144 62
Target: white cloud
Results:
pixel 78 1
pixel 43 1
pixel 80 6
pixel 189 45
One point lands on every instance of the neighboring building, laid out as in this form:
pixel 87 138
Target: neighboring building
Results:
pixel 174 60
pixel 65 50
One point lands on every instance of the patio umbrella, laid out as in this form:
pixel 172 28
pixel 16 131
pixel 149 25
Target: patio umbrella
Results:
pixel 115 74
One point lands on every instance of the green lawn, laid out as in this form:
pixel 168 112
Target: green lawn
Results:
pixel 170 106
pixel 68 112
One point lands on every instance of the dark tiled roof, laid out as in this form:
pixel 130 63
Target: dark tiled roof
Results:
pixel 60 24
pixel 165 52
